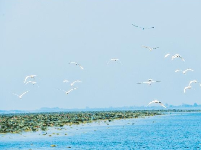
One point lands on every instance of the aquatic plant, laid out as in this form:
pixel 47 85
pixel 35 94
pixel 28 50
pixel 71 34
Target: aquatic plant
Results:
pixel 16 123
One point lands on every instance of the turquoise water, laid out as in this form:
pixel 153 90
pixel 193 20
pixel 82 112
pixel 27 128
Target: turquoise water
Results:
pixel 171 131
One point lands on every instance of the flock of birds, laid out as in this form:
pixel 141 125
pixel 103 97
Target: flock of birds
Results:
pixel 150 81
pixel 30 79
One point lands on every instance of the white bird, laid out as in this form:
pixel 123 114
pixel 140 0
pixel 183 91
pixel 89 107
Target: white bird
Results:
pixel 30 76
pixel 187 87
pixel 76 64
pixel 115 60
pixel 149 82
pixel 184 72
pixel 67 92
pixel 167 55
pixel 150 48
pixel 158 102
pixel 20 96
pixel 65 81
pixel 193 81
pixel 142 27
pixel 75 82
pixel 177 56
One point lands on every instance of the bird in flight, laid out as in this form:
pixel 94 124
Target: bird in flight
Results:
pixel 74 82
pixel 158 102
pixel 114 60
pixel 175 56
pixel 20 96
pixel 67 92
pixel 193 81
pixel 72 62
pixel 184 71
pixel 143 28
pixel 30 76
pixel 149 82
pixel 150 48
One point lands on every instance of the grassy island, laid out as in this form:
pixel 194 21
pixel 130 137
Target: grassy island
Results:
pixel 16 123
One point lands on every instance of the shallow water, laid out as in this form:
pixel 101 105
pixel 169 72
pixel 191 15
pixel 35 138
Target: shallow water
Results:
pixel 171 131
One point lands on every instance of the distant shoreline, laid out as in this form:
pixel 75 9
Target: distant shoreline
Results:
pixel 32 122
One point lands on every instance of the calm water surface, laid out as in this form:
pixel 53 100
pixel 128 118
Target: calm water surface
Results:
pixel 171 131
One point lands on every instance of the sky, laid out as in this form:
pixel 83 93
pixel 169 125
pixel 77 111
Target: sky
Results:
pixel 42 37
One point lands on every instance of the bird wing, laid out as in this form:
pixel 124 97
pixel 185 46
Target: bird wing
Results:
pixel 65 81
pixel 32 76
pixel 72 83
pixel 62 90
pixel 108 61
pixel 177 70
pixel 162 105
pixel 135 26
pixel 167 55
pixel 72 62
pixel 148 48
pixel 182 58
pixel 145 46
pixel 81 67
pixel 147 82
pixel 29 82
pixel 119 61
pixel 23 93
pixel 26 79
pixel 194 81
pixel 188 70
pixel 16 94
pixel 185 90
pixel 187 87
pixel 151 103
pixel 69 91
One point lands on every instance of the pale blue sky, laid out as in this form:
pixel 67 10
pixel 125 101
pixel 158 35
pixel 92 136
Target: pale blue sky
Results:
pixel 42 37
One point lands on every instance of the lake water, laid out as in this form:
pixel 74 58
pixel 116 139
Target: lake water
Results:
pixel 171 131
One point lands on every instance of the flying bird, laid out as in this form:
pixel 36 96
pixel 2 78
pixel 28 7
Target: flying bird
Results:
pixel 115 60
pixel 30 76
pixel 193 81
pixel 143 28
pixel 177 56
pixel 76 64
pixel 20 96
pixel 150 48
pixel 75 82
pixel 149 82
pixel 184 72
pixel 158 102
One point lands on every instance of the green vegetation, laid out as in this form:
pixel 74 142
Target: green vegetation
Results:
pixel 16 123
